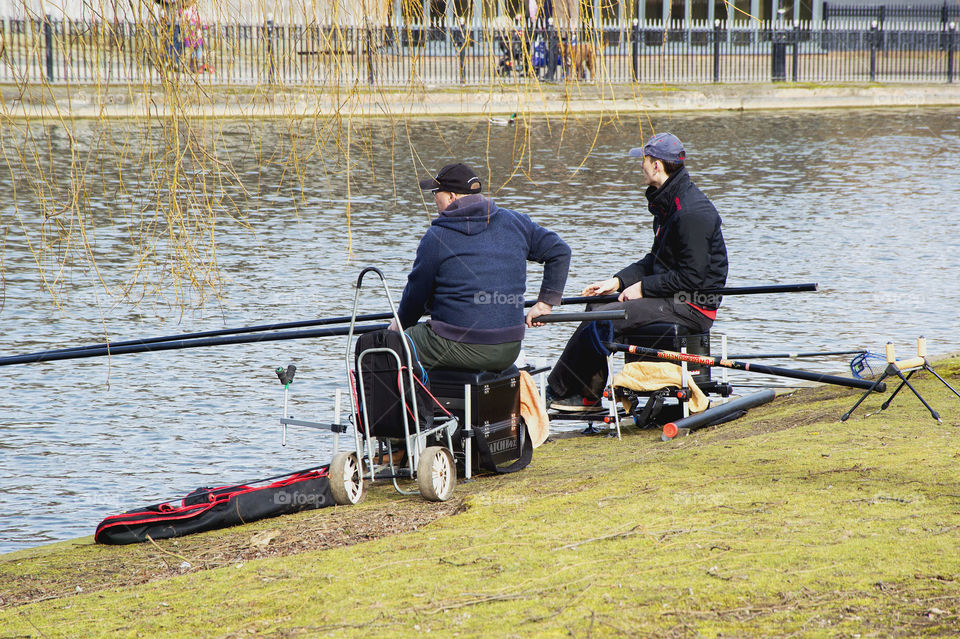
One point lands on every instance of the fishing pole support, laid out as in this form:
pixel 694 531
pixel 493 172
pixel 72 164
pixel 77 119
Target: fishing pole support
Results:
pixel 286 378
pixel 898 368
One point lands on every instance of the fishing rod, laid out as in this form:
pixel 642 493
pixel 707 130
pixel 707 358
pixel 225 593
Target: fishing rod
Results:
pixel 706 360
pixel 693 296
pixel 797 355
pixel 50 356
pixel 374 317
pixel 586 316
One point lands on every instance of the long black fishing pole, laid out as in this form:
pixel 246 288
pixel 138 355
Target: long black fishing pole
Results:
pixel 706 360
pixel 796 355
pixel 586 316
pixel 374 317
pixel 706 294
pixel 51 356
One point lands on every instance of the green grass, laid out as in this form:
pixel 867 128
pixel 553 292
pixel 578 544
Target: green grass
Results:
pixel 784 523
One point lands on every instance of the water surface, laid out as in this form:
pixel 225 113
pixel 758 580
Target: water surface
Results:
pixel 867 203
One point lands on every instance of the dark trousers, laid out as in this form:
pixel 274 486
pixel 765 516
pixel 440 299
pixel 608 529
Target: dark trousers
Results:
pixel 582 370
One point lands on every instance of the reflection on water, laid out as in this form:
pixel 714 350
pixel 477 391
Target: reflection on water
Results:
pixel 865 203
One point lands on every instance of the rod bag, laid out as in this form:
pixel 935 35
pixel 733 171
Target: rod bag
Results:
pixel 212 508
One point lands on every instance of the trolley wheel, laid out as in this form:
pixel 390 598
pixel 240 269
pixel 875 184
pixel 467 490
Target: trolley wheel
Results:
pixel 436 474
pixel 346 479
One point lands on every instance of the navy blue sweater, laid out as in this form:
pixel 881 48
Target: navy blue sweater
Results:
pixel 470 272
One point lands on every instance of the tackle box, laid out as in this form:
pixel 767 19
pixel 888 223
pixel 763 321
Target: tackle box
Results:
pixel 494 409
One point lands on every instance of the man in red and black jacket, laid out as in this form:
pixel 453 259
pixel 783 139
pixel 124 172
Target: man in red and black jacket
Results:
pixel 688 255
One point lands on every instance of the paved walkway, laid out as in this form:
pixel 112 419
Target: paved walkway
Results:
pixel 530 99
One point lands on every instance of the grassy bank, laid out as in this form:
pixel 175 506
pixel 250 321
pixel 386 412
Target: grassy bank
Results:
pixel 784 523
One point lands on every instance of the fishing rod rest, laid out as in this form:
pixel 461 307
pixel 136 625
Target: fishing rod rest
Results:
pixel 286 376
pixel 898 368
pixel 336 428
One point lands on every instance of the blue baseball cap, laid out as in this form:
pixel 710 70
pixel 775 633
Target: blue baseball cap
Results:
pixel 662 146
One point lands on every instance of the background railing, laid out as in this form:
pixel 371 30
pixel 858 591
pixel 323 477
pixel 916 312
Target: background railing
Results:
pixel 943 13
pixel 64 52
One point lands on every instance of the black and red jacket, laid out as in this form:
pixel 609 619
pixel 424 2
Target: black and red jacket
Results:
pixel 688 252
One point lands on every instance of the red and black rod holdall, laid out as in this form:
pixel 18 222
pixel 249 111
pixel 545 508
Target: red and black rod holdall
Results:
pixel 212 508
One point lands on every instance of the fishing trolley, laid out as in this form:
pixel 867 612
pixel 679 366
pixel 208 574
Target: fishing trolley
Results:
pixel 408 427
pixel 392 410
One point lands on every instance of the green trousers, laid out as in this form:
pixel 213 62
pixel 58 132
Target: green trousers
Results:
pixel 434 351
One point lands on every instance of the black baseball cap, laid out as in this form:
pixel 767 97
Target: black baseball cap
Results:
pixel 454 178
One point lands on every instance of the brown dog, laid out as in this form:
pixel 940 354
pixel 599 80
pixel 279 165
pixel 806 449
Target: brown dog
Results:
pixel 580 58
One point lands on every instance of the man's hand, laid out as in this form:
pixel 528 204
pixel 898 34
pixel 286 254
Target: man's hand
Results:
pixel 633 292
pixel 538 309
pixel 604 287
pixel 393 326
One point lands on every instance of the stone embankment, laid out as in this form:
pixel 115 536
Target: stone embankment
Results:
pixel 123 101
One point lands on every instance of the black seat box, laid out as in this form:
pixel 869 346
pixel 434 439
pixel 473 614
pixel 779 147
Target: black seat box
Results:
pixel 494 409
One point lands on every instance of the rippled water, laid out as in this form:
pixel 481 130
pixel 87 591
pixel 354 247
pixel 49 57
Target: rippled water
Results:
pixel 867 203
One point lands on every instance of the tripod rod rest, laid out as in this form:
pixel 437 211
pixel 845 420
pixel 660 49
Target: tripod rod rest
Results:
pixel 906 364
pixel 913 362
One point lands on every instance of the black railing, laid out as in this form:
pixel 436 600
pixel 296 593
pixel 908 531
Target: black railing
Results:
pixel 943 13
pixel 69 52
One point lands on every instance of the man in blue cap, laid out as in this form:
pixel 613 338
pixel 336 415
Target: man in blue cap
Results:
pixel 470 274
pixel 688 255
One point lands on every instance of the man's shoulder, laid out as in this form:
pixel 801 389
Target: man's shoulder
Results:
pixel 433 230
pixel 499 210
pixel 511 217
pixel 432 235
pixel 697 201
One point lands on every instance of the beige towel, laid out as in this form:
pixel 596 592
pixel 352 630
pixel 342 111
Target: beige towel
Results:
pixel 532 410
pixel 651 376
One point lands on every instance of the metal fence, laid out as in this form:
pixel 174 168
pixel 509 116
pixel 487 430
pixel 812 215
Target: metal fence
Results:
pixel 882 12
pixel 67 52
